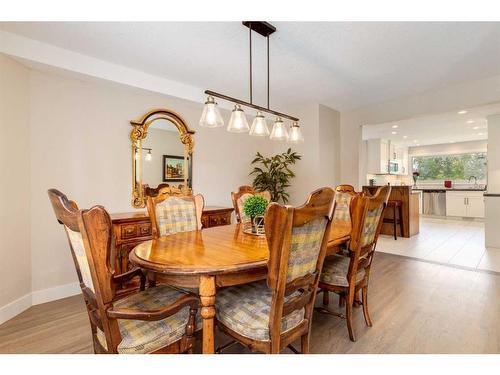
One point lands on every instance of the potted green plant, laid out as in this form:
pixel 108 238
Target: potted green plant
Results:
pixel 254 208
pixel 273 174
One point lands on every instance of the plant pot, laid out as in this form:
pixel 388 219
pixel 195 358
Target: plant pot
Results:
pixel 258 225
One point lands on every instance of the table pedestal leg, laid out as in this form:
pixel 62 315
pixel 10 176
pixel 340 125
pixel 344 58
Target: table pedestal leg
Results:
pixel 207 297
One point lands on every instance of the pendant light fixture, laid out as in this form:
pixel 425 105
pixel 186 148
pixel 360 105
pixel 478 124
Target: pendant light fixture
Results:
pixel 238 121
pixel 295 134
pixel 279 132
pixel 211 117
pixel 259 126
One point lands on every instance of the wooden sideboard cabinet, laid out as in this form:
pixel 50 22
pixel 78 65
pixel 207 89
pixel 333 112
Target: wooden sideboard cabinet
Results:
pixel 132 228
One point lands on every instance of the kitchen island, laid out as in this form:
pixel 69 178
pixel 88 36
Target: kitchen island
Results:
pixel 410 205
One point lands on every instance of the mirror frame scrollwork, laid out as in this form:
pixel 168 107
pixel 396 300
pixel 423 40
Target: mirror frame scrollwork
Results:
pixel 140 132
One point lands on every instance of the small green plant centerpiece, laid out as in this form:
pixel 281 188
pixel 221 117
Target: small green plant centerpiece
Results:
pixel 255 208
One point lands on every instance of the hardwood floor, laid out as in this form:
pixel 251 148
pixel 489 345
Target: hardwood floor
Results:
pixel 416 307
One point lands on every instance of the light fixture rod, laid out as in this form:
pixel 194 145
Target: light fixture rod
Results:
pixel 251 80
pixel 267 71
pixel 251 105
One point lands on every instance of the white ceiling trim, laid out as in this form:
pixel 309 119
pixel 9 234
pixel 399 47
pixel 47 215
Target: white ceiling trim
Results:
pixel 29 49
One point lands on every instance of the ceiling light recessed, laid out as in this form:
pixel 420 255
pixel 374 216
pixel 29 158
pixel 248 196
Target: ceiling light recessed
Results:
pixel 395 126
pixel 394 132
pixel 415 141
pixel 405 136
pixel 475 127
pixel 451 141
pixel 470 122
pixel 480 133
pixel 462 112
pixel 418 144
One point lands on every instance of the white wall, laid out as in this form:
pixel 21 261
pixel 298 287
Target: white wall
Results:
pixel 452 98
pixel 80 144
pixel 15 263
pixel 492 204
pixel 448 149
pixel 320 152
pixel 329 146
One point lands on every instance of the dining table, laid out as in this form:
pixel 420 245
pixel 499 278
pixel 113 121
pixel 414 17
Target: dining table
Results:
pixel 212 258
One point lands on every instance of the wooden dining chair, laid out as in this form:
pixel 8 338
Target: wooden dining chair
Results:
pixel 341 218
pixel 348 275
pixel 269 317
pixel 170 211
pixel 241 196
pixel 130 281
pixel 154 320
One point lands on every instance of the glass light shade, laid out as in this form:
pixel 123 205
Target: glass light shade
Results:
pixel 296 134
pixel 211 117
pixel 279 132
pixel 148 156
pixel 238 121
pixel 259 126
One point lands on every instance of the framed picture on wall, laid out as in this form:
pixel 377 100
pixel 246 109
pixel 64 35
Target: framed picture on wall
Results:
pixel 173 169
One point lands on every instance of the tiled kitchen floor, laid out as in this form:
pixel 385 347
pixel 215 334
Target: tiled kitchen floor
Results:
pixel 458 243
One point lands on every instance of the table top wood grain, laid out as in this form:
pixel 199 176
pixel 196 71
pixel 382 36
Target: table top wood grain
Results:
pixel 210 251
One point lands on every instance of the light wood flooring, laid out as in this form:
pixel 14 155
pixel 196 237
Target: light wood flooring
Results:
pixel 416 307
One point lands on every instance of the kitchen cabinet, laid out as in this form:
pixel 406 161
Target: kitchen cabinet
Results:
pixel 420 201
pixel 455 204
pixel 465 203
pixel 380 152
pixel 393 155
pixel 377 156
pixel 402 157
pixel 475 206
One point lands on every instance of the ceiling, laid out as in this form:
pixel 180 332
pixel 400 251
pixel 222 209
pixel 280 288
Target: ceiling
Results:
pixel 343 65
pixel 441 128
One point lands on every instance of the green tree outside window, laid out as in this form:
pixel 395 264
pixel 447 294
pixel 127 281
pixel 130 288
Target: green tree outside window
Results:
pixel 457 167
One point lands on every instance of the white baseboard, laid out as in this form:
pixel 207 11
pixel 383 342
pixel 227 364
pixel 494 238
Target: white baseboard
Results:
pixel 15 307
pixel 57 292
pixel 37 297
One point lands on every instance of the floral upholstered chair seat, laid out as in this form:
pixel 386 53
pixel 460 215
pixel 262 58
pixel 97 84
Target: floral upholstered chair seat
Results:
pixel 141 337
pixel 245 309
pixel 335 270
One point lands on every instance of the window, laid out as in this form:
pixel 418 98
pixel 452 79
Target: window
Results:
pixel 458 167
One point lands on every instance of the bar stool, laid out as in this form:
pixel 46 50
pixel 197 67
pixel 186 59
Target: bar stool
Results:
pixel 397 206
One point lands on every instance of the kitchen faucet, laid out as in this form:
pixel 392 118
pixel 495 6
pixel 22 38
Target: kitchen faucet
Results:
pixel 475 180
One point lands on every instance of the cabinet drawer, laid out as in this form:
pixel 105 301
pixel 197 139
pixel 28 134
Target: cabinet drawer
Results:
pixel 144 229
pixel 219 220
pixel 128 231
pixel 205 222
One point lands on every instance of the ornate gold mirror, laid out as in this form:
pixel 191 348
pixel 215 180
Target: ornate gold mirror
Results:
pixel 162 150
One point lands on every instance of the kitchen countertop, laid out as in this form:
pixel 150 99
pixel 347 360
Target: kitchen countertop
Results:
pixel 448 189
pixel 409 187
